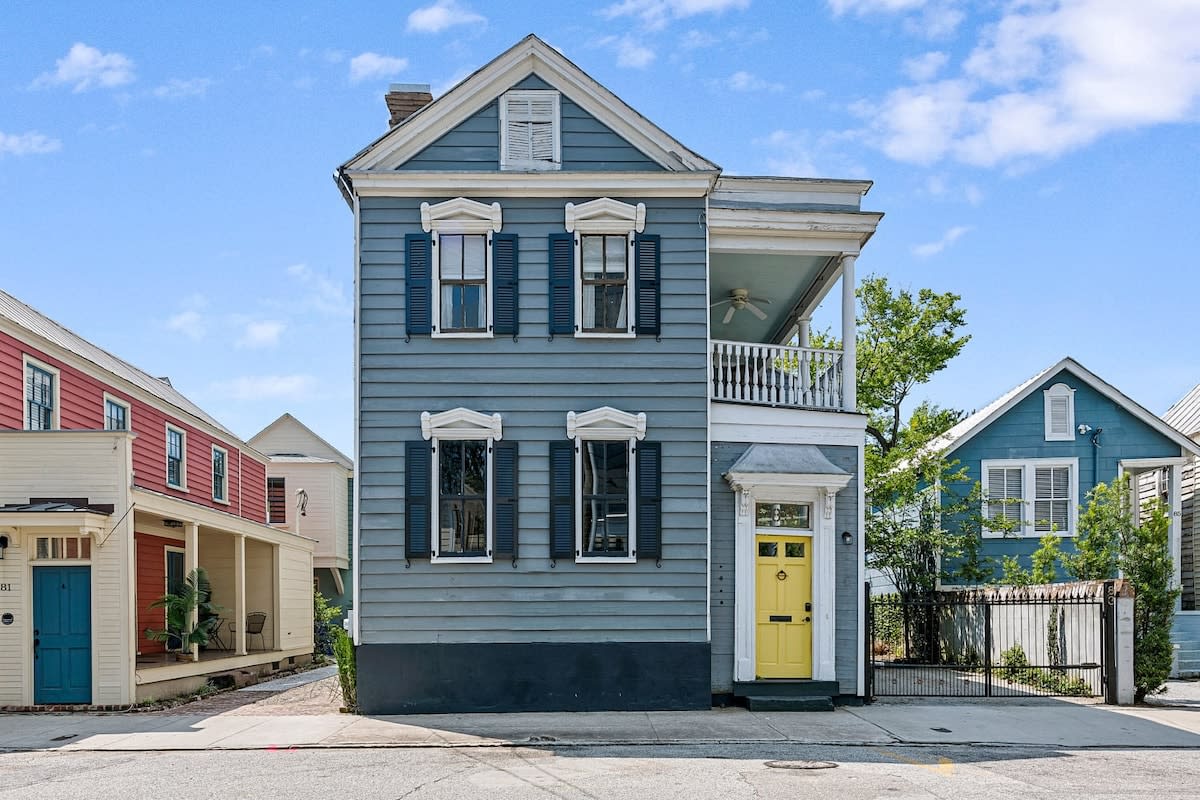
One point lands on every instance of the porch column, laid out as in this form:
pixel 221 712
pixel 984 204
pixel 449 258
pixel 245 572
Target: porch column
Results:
pixel 239 593
pixel 849 336
pixel 803 333
pixel 191 562
pixel 1175 532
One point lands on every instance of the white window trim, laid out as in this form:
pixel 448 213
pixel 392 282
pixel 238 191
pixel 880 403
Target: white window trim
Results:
pixel 56 412
pixel 182 487
pixel 1059 390
pixel 611 425
pixel 108 398
pixel 460 424
pixel 606 217
pixel 460 216
pixel 225 452
pixel 1028 495
pixel 556 126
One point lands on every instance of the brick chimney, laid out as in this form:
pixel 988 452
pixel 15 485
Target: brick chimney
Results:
pixel 405 99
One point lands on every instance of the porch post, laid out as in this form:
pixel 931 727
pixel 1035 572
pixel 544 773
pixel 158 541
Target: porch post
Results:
pixel 1175 534
pixel 191 561
pixel 804 332
pixel 239 593
pixel 849 336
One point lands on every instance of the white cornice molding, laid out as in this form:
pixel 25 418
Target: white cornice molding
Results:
pixel 529 56
pixel 605 215
pixel 401 183
pixel 606 422
pixel 461 215
pixel 461 423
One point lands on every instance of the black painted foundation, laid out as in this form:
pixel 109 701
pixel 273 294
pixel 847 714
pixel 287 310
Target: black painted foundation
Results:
pixel 560 676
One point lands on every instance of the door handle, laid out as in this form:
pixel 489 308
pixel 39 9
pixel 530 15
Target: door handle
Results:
pixel 808 619
pixel 781 575
pixel 808 606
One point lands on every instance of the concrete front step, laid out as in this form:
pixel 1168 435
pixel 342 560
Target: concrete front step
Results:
pixel 786 688
pixel 784 703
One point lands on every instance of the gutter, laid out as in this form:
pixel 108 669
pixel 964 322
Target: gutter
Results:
pixel 343 184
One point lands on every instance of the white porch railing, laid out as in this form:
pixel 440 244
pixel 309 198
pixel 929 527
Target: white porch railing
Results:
pixel 777 375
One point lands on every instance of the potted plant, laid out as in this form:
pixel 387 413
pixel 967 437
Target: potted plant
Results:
pixel 193 595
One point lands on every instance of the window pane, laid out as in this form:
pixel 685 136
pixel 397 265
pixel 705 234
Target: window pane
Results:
pixel 605 489
pixel 462 505
pixel 783 515
pixel 85 547
pixel 450 467
pixel 72 547
pixel 610 311
pixel 475 468
pixel 768 549
pixel 451 306
pixel 593 257
pixel 451 255
pixel 473 311
pixel 616 252
pixel 794 550
pixel 474 257
pixel 43 548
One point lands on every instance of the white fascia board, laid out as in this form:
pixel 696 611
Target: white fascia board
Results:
pixel 752 222
pixel 402 183
pixel 158 504
pixel 768 189
pixel 733 422
pixel 530 55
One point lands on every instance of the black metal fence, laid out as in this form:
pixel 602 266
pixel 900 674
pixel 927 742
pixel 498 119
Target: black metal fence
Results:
pixel 1003 644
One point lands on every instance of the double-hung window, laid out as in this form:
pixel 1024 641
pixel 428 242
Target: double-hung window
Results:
pixel 463 443
pixel 605 473
pixel 277 501
pixel 461 238
pixel 605 279
pixel 220 474
pixel 1031 497
pixel 41 396
pixel 176 458
pixel 116 414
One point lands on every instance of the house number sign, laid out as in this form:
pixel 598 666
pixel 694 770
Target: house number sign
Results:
pixel 5 587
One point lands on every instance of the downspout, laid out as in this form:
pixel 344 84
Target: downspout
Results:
pixel 1096 456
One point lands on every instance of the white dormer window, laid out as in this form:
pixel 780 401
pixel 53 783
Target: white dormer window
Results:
pixel 1060 413
pixel 463 483
pixel 530 136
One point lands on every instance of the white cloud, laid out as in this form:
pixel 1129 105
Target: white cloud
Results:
pixel 374 65
pixel 266 387
pixel 1043 81
pixel 861 7
pixel 694 40
pixel 315 292
pixel 948 238
pixel 177 88
pixel 190 323
pixel 742 81
pixel 84 67
pixel 442 15
pixel 27 144
pixel 261 333
pixel 655 14
pixel 630 52
pixel 932 19
pixel 802 154
pixel 926 66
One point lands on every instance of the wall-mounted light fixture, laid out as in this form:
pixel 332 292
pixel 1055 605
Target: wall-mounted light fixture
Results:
pixel 1084 429
pixel 847 537
pixel 3 546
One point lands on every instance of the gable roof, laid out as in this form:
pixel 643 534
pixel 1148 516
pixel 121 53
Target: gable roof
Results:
pixel 33 321
pixel 1185 414
pixel 961 433
pixel 530 55
pixel 328 452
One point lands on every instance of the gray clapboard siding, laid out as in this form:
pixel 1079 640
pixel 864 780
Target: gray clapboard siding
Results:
pixel 847 590
pixel 533 382
pixel 587 143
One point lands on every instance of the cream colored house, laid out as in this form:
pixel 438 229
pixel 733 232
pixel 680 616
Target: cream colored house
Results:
pixel 310 489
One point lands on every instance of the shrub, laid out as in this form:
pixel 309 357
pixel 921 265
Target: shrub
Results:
pixel 343 651
pixel 324 624
pixel 887 617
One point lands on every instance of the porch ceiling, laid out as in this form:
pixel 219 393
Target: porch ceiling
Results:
pixel 785 280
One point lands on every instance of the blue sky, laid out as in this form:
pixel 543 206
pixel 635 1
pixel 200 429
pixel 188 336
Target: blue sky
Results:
pixel 165 176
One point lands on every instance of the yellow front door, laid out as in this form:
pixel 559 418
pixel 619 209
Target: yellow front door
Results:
pixel 784 612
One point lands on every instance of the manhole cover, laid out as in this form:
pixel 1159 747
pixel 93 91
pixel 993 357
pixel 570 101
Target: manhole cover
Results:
pixel 801 764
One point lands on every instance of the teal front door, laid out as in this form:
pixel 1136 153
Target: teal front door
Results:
pixel 62 635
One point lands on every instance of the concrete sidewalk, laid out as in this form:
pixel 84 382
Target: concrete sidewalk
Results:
pixel 1051 724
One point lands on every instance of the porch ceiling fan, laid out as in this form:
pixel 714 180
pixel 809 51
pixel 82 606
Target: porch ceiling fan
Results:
pixel 739 299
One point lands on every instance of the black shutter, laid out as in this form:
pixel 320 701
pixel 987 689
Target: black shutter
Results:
pixel 647 262
pixel 504 499
pixel 418 284
pixel 504 283
pixel 562 499
pixel 562 283
pixel 649 500
pixel 418 485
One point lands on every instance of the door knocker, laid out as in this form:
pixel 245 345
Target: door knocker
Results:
pixel 781 575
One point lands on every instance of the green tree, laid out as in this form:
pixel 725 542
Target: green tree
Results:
pixel 1104 523
pixel 1145 562
pixel 1046 559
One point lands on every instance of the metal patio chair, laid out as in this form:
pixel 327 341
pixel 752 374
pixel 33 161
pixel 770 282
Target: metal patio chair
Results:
pixel 255 621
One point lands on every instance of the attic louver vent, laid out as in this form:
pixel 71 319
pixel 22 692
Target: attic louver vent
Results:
pixel 529 125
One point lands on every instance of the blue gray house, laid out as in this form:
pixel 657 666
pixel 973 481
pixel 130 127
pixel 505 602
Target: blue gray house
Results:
pixel 1040 448
pixel 598 464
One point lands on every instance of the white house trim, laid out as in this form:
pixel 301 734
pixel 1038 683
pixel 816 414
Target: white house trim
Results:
pixel 110 398
pixel 607 423
pixel 28 361
pixel 529 56
pixel 461 424
pixel 1028 468
pixel 1059 391
pixel 461 215
pixel 1133 466
pixel 530 184
pixel 182 486
pixel 605 215
pixel 555 121
pixel 756 488
pixel 734 422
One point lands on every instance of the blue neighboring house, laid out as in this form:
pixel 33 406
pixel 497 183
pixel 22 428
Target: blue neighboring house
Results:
pixel 592 469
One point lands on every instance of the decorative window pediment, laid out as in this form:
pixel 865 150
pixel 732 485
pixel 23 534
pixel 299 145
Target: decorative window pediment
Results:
pixel 606 423
pixel 461 215
pixel 460 424
pixel 605 215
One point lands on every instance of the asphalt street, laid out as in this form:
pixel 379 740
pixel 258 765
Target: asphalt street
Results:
pixel 645 773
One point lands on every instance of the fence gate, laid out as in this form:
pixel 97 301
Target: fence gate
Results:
pixel 985 644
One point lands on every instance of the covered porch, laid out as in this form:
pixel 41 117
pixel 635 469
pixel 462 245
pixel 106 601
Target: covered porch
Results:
pixel 778 247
